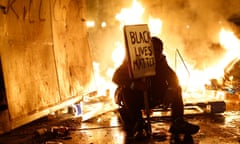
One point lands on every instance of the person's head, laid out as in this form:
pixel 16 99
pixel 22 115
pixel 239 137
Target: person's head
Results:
pixel 157 45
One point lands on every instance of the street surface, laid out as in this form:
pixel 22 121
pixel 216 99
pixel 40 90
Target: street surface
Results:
pixel 106 128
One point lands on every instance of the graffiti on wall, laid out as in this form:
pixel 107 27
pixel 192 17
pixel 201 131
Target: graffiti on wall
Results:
pixel 33 10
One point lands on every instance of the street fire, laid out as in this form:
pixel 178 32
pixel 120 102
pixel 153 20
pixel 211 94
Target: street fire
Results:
pixel 191 77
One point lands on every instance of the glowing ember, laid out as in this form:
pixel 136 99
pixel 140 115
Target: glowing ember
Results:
pixel 103 24
pixel 90 23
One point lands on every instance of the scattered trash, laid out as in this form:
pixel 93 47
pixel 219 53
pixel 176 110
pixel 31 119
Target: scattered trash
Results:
pixel 55 132
pixel 41 131
pixel 59 131
pixel 75 109
pixel 161 135
pixel 41 135
pixel 53 142
pixel 51 116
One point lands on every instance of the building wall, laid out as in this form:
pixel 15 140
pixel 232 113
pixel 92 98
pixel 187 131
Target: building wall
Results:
pixel 45 57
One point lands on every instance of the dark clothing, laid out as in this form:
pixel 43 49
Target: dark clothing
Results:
pixel 161 86
pixel 165 78
pixel 162 89
pixel 130 100
pixel 165 84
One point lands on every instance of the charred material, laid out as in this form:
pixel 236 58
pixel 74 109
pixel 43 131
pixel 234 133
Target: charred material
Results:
pixel 231 79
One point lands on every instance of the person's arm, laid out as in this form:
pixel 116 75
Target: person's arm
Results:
pixel 172 78
pixel 121 77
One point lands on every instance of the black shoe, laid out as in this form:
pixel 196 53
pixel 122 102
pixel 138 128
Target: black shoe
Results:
pixel 175 139
pixel 129 137
pixel 182 127
pixel 188 139
pixel 141 135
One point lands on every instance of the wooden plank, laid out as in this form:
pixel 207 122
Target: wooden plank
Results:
pixel 73 61
pixel 28 59
pixel 45 58
pixel 31 117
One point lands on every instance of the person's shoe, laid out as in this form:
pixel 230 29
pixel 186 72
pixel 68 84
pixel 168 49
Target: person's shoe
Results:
pixel 141 135
pixel 180 126
pixel 129 137
pixel 188 139
pixel 175 139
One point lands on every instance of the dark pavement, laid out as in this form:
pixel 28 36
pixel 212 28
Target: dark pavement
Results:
pixel 106 128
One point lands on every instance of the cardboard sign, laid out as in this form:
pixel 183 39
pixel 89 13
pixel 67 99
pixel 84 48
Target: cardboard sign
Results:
pixel 139 50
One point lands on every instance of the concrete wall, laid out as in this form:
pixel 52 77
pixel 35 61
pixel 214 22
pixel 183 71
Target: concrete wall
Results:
pixel 45 57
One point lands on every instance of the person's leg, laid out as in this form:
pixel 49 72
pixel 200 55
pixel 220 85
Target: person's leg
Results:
pixel 179 125
pixel 177 106
pixel 135 123
pixel 125 118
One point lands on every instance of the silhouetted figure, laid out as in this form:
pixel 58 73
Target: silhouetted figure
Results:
pixel 163 89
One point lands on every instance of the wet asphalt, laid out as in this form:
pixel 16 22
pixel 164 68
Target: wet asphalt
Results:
pixel 106 128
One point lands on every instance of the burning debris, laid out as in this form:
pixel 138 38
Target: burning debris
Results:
pixel 230 82
pixel 182 25
pixel 199 36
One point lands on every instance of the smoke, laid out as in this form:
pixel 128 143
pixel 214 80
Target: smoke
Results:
pixel 191 26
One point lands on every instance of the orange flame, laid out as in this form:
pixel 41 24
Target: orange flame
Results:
pixel 197 78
